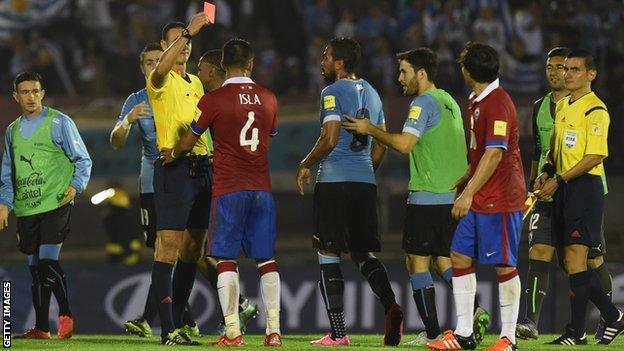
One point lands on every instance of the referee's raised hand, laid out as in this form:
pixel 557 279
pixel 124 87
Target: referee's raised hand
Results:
pixel 198 21
pixel 4 216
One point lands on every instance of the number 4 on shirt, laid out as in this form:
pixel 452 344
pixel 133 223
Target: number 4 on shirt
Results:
pixel 254 141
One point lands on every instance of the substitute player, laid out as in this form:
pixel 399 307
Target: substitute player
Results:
pixel 182 190
pixel 345 195
pixel 44 165
pixel 579 144
pixel 542 244
pixel 491 204
pixel 433 137
pixel 242 117
pixel 136 111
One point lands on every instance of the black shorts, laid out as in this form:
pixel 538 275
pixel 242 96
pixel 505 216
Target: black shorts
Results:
pixel 540 230
pixel 345 217
pixel 578 213
pixel 540 224
pixel 182 201
pixel 48 228
pixel 148 218
pixel 428 230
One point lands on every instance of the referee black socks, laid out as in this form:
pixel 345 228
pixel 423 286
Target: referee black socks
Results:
pixel 183 280
pixel 161 279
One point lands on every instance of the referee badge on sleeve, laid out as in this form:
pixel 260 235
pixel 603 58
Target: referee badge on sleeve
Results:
pixel 596 129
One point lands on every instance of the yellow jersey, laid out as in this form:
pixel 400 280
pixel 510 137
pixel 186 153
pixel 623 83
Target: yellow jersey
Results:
pixel 174 106
pixel 581 128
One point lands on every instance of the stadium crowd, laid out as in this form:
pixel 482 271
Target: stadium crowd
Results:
pixel 75 42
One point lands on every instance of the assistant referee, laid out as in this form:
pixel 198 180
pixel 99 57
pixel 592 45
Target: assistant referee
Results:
pixel 579 144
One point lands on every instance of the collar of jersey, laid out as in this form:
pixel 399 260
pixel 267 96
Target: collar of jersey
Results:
pixel 495 84
pixel 238 80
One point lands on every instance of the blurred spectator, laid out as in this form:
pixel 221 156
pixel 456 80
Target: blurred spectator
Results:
pixel 488 29
pixel 587 25
pixel 529 29
pixel 346 28
pixel 317 18
pixel 520 73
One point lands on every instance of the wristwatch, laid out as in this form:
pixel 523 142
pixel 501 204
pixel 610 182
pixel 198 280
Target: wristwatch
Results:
pixel 560 180
pixel 186 34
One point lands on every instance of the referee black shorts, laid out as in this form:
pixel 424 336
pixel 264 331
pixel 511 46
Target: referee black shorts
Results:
pixel 429 230
pixel 182 193
pixel 48 228
pixel 345 217
pixel 578 213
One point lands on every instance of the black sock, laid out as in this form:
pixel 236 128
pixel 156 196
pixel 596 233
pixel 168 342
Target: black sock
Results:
pixel 536 288
pixel 183 280
pixel 187 316
pixel 425 303
pixel 151 305
pixel 55 277
pixel 41 304
pixel 377 277
pixel 161 279
pixel 599 297
pixel 332 290
pixel 605 279
pixel 579 295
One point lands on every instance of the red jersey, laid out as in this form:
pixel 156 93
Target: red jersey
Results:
pixel 242 117
pixel 494 123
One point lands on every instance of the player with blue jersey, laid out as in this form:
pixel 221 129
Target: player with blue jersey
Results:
pixel 345 195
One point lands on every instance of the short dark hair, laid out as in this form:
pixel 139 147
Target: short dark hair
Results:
pixel 421 58
pixel 169 26
pixel 481 61
pixel 237 53
pixel 149 47
pixel 348 50
pixel 559 51
pixel 590 62
pixel 27 76
pixel 213 57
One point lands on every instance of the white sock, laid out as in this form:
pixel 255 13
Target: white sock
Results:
pixel 509 298
pixel 464 291
pixel 270 289
pixel 228 291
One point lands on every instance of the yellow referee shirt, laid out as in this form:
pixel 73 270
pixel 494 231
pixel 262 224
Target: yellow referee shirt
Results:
pixel 581 128
pixel 175 106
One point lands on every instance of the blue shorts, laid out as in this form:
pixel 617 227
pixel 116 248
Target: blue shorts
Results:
pixel 491 238
pixel 242 219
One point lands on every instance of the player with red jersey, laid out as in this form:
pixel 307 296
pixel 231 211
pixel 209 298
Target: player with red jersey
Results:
pixel 491 204
pixel 242 117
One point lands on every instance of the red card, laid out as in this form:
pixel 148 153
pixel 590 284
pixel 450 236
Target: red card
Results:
pixel 210 10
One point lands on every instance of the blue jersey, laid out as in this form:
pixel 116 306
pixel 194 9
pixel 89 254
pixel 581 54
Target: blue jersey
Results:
pixel 350 160
pixel 147 128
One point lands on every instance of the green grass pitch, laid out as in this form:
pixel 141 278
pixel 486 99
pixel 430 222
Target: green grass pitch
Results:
pixel 254 342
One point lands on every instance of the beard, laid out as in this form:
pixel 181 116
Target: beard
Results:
pixel 329 77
